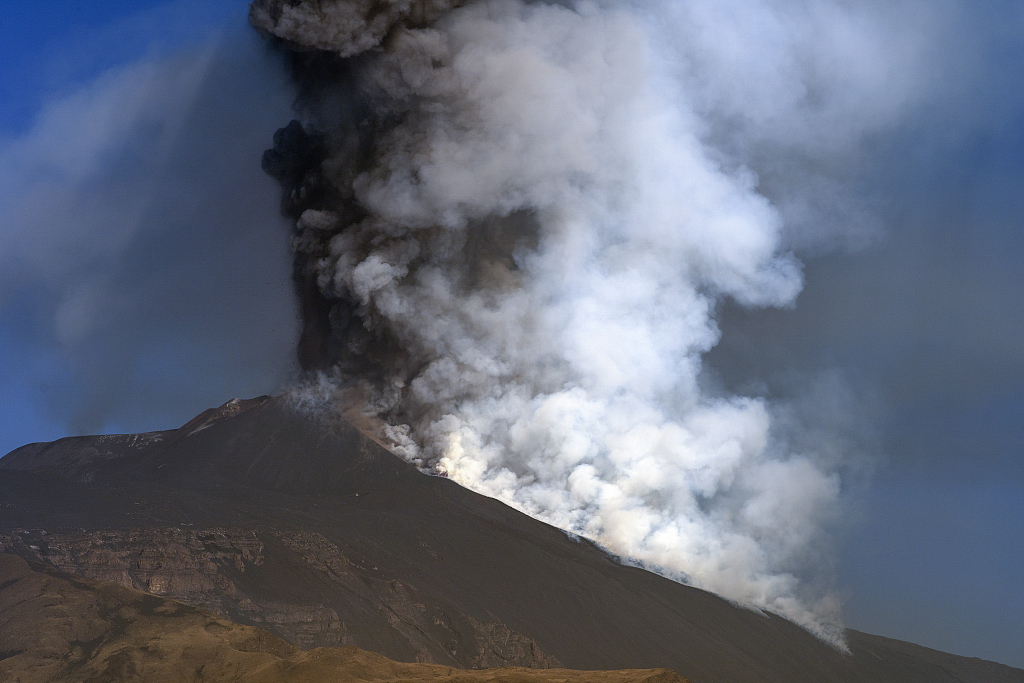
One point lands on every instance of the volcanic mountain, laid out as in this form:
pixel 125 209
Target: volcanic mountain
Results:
pixel 305 526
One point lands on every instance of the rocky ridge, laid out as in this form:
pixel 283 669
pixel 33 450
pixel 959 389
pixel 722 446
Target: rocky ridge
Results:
pixel 55 627
pixel 207 568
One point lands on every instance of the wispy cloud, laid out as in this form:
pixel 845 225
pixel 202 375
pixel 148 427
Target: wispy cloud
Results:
pixel 142 240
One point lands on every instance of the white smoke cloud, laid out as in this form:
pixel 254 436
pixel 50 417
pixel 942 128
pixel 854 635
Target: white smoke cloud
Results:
pixel 794 89
pixel 603 155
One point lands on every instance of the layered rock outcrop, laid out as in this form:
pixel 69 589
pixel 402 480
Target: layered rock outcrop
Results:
pixel 55 628
pixel 225 571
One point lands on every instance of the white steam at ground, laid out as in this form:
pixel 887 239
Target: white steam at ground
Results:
pixel 609 148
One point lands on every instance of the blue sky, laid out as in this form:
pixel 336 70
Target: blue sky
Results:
pixel 162 303
pixel 141 318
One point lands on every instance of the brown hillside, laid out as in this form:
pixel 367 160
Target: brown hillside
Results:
pixel 56 628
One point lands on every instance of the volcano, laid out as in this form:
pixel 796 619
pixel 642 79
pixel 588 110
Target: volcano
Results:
pixel 306 526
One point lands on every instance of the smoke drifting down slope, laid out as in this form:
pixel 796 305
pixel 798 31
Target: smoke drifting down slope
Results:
pixel 513 222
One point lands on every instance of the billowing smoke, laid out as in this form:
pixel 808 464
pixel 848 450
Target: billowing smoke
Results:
pixel 514 221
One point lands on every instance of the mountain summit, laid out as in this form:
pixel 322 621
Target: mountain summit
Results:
pixel 305 526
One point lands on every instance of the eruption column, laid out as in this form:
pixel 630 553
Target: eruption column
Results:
pixel 511 231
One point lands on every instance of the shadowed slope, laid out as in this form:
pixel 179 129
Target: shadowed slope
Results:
pixel 312 530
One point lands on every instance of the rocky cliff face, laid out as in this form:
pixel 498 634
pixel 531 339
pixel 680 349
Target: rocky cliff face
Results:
pixel 56 627
pixel 227 571
pixel 310 529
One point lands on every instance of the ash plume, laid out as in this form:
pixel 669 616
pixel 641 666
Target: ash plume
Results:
pixel 513 222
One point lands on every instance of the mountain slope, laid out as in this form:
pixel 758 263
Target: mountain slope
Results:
pixel 310 529
pixel 55 627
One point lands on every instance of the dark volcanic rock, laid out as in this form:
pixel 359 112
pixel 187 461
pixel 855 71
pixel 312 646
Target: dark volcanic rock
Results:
pixel 260 443
pixel 310 529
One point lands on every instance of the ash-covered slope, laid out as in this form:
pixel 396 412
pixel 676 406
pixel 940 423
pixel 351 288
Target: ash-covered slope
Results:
pixel 310 529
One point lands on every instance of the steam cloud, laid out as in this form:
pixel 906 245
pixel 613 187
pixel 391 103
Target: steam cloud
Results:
pixel 513 223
